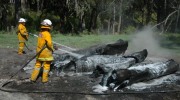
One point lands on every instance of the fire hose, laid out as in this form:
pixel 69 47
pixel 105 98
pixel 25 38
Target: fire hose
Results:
pixel 85 93
pixel 23 66
pixel 27 47
pixel 54 42
pixel 71 53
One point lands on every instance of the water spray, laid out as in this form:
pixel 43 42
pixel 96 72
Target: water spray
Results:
pixel 71 53
pixel 54 42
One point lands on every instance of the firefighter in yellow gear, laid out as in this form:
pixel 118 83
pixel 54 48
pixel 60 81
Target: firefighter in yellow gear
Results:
pixel 22 35
pixel 45 58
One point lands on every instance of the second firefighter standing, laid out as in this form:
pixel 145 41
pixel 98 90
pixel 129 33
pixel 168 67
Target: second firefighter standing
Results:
pixel 45 58
pixel 22 35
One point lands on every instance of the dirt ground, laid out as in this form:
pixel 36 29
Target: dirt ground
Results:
pixel 69 87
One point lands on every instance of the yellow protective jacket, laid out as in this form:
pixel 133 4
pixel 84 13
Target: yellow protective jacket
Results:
pixel 44 40
pixel 22 33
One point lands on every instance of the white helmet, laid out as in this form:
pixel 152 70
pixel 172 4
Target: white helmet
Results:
pixel 22 20
pixel 46 24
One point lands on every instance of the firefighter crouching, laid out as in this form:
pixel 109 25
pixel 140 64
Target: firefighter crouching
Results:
pixel 22 35
pixel 45 58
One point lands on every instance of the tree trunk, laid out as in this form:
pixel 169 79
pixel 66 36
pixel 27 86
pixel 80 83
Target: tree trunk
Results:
pixel 76 7
pixel 149 6
pixel 160 13
pixel 38 5
pixel 120 17
pixel 16 15
pixel 114 20
pixel 42 2
pixel 119 24
pixel 177 20
pixel 93 19
pixel 4 18
pixel 23 5
pixel 109 25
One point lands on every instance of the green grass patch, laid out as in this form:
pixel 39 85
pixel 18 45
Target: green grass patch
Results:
pixel 171 41
pixel 83 41
pixel 8 41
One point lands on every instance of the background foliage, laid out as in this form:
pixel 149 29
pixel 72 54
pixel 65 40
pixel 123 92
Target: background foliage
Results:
pixel 94 16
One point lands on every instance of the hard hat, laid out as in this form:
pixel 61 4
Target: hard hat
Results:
pixel 22 20
pixel 46 24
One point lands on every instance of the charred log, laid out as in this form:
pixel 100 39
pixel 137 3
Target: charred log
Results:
pixel 125 62
pixel 141 73
pixel 119 47
pixel 65 61
pixel 138 56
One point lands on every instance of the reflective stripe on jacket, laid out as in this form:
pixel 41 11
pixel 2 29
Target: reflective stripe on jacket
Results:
pixel 44 39
pixel 22 33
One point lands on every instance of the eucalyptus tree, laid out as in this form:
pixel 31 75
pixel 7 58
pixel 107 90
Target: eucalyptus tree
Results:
pixel 122 6
pixel 69 13
pixel 142 11
pixel 4 10
pixel 175 6
pixel 168 15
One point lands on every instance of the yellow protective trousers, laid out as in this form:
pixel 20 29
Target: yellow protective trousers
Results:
pixel 37 67
pixel 21 47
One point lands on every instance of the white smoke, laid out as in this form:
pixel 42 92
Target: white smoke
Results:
pixel 145 39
